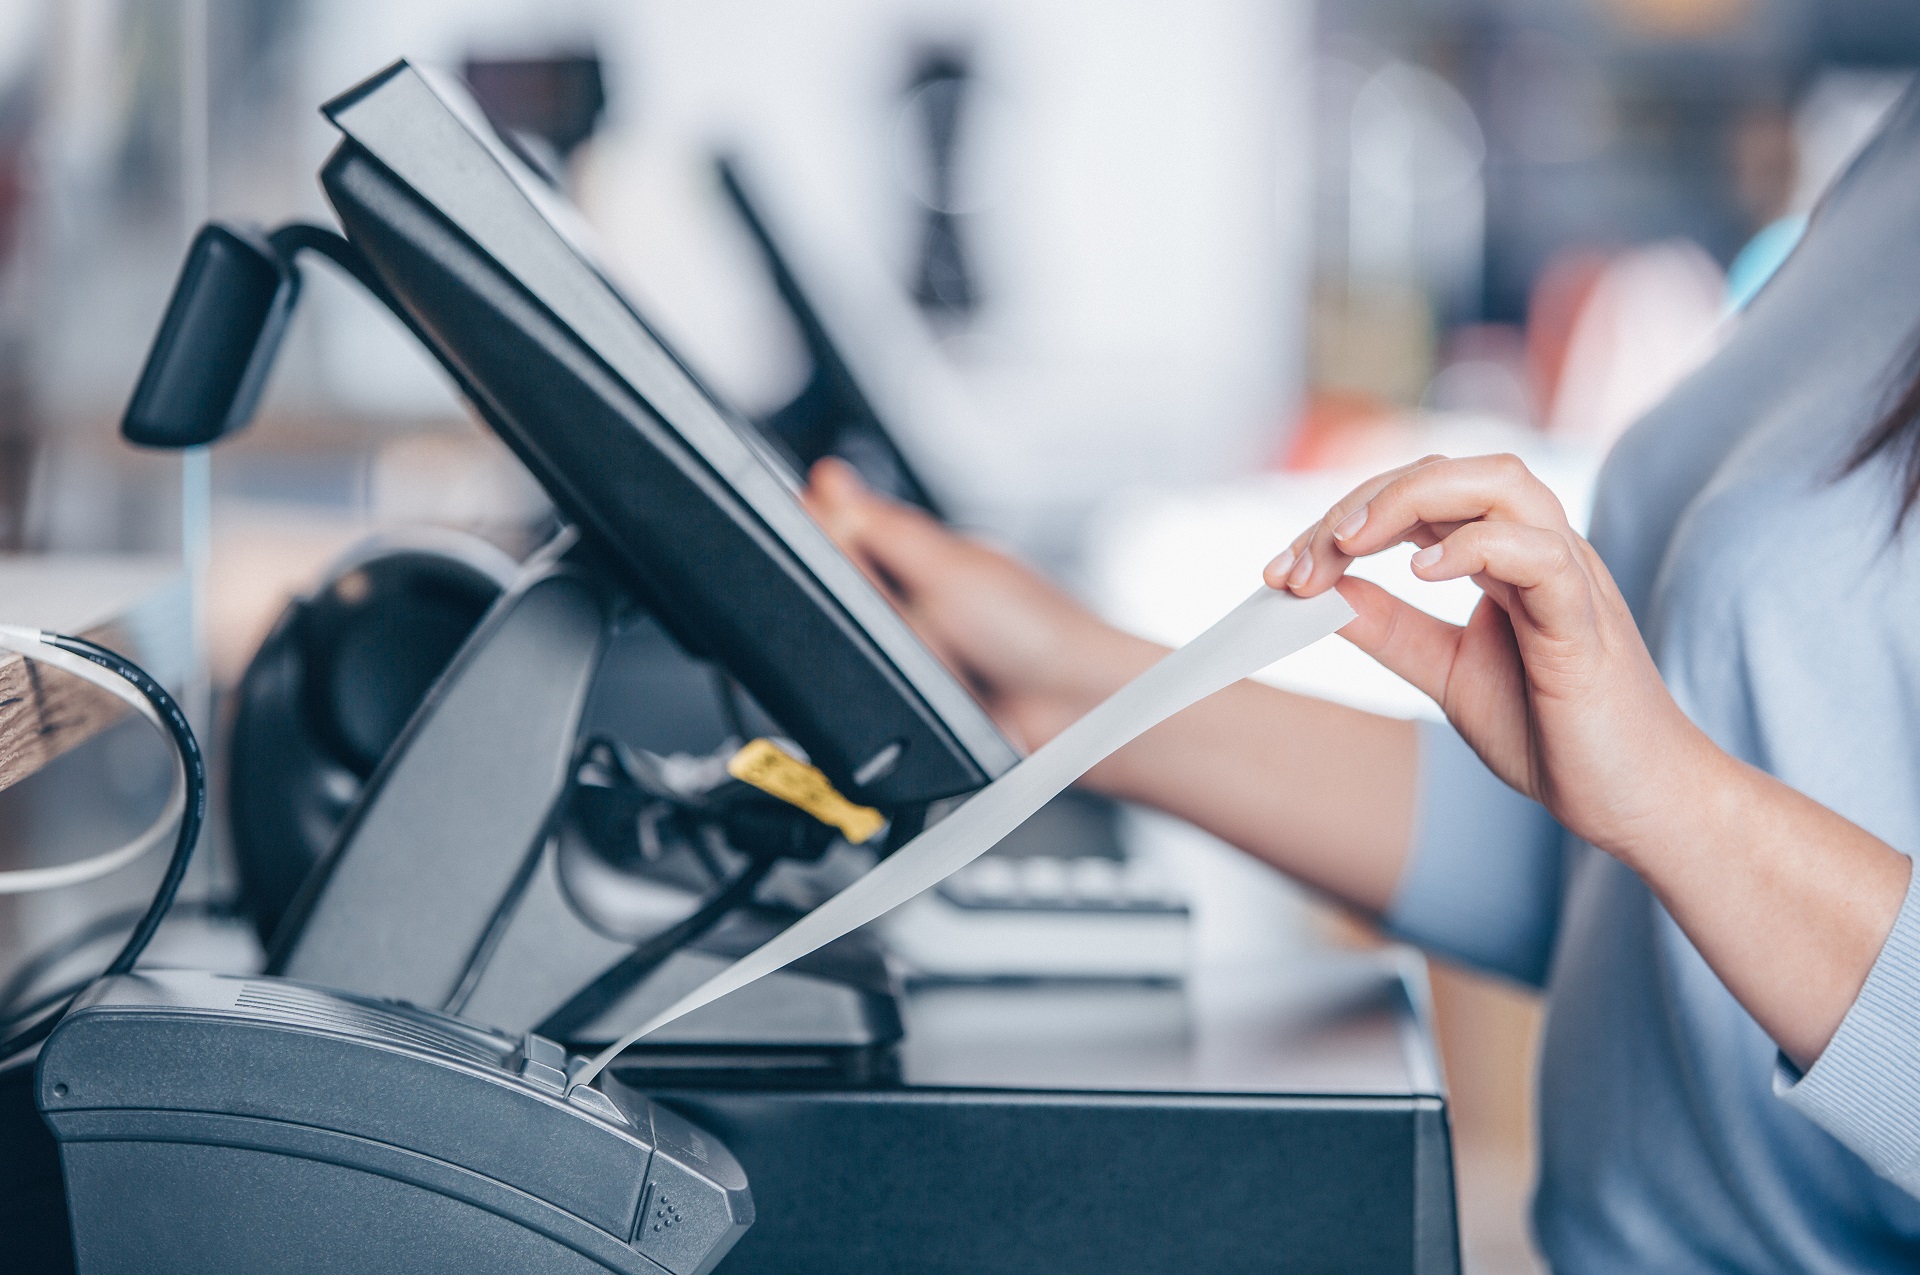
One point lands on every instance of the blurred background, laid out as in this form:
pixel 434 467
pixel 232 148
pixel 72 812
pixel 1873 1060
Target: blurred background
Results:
pixel 1142 286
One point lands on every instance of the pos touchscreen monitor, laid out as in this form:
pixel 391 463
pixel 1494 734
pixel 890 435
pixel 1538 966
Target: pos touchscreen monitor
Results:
pixel 690 509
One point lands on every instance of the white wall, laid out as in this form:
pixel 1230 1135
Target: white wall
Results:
pixel 1140 240
pixel 1138 171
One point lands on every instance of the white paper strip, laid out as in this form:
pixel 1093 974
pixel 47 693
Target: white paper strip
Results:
pixel 1266 627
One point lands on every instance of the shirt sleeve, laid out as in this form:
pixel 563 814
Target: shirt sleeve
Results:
pixel 1865 1088
pixel 1482 882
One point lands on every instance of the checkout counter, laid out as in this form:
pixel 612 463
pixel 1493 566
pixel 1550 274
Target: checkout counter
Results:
pixel 1255 1118
pixel 511 886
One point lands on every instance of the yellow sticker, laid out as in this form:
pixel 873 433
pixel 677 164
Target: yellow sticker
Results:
pixel 767 767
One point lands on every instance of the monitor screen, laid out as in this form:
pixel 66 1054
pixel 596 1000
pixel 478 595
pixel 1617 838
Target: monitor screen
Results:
pixel 682 499
pixel 832 415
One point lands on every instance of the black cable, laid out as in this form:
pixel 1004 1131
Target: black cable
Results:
pixel 509 905
pixel 175 720
pixel 608 825
pixel 36 966
pixel 56 998
pixel 290 239
pixel 193 766
pixel 627 973
pixel 907 823
pixel 30 971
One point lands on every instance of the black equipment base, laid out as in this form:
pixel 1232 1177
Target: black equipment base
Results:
pixel 1257 1120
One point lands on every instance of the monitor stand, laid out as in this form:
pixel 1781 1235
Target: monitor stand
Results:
pixel 446 888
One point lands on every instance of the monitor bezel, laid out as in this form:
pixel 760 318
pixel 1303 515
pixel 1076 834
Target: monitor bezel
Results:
pixel 449 158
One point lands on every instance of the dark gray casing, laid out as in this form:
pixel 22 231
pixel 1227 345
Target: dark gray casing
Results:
pixel 221 1123
pixel 440 840
pixel 443 888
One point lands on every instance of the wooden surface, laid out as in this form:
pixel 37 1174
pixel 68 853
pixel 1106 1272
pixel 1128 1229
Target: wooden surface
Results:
pixel 137 605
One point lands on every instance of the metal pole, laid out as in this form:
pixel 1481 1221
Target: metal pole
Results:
pixel 196 463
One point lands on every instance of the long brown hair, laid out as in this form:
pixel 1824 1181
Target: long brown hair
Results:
pixel 1895 433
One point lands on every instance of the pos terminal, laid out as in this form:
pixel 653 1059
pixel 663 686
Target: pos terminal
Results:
pixel 509 885
pixel 497 908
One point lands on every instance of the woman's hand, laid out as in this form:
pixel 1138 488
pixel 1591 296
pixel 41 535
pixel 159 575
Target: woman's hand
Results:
pixel 1551 684
pixel 1036 658
pixel 1549 681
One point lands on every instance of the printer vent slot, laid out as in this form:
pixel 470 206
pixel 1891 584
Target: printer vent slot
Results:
pixel 302 1007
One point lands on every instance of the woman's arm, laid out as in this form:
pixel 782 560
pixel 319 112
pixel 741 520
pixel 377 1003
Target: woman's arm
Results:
pixel 1323 792
pixel 1552 685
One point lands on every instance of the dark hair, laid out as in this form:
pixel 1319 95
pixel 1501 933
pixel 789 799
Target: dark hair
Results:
pixel 1895 433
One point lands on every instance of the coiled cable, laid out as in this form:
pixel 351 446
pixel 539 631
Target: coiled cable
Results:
pixel 185 811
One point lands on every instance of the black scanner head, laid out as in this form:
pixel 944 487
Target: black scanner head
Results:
pixel 210 360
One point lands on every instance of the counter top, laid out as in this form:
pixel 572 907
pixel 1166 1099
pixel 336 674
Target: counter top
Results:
pixel 1330 1023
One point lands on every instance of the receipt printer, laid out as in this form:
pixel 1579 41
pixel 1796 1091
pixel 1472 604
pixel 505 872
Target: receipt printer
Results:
pixel 216 1123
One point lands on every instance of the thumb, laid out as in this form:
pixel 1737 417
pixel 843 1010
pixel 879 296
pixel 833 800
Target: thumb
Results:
pixel 905 545
pixel 836 498
pixel 1402 637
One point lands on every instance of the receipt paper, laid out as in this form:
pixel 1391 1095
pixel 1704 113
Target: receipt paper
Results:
pixel 1266 627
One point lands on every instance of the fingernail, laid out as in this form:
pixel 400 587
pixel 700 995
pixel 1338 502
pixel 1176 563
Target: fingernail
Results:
pixel 1351 524
pixel 1278 568
pixel 1302 570
pixel 1428 556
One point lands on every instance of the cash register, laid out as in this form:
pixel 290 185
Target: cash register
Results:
pixel 509 884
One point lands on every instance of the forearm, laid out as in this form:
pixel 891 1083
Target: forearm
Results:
pixel 1323 792
pixel 1788 902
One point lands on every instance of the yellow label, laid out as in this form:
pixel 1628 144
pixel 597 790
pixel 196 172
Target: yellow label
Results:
pixel 763 764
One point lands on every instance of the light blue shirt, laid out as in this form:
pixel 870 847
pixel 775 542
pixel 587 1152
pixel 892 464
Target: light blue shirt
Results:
pixel 1784 611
